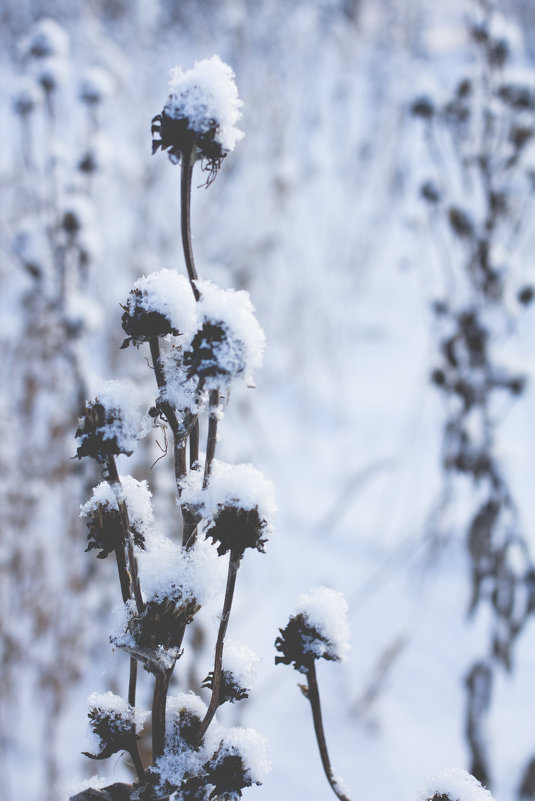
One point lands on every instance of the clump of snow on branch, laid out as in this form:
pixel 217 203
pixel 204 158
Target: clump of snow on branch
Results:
pixel 238 485
pixel 206 96
pixel 325 610
pixel 168 571
pixel 457 785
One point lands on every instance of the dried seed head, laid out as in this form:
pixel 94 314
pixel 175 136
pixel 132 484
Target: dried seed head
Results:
pixel 236 529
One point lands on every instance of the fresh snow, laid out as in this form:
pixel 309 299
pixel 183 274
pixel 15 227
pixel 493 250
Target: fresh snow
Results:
pixel 326 611
pixel 456 784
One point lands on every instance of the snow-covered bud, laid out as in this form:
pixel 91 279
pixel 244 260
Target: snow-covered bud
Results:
pixel 423 107
pixel 115 724
pixel 95 86
pixel 215 355
pixel 239 671
pixel 201 112
pixel 318 630
pixel 51 73
pixel 454 784
pixel 159 304
pixel 239 762
pixel 46 39
pixel 229 345
pixel 104 519
pixel 110 424
pixel 237 504
pixel 160 623
pixel 26 97
pixel 518 90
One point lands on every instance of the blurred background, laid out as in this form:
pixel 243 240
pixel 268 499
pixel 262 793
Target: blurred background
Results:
pixel 379 213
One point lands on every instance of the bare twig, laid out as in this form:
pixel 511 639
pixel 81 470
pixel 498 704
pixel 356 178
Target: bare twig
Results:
pixel 314 697
pixel 234 564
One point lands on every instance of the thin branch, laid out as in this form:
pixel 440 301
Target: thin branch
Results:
pixel 159 702
pixel 187 162
pixel 211 440
pixel 313 696
pixel 234 564
pixel 127 535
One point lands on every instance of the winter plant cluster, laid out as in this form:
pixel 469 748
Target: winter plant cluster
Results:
pixel 482 142
pixel 203 342
pixel 49 214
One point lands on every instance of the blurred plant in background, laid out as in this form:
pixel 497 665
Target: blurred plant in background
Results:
pixel 480 202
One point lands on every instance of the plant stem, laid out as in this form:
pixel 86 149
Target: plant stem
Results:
pixel 211 440
pixel 132 682
pixel 129 544
pixel 187 161
pixel 234 564
pixel 159 702
pixel 314 698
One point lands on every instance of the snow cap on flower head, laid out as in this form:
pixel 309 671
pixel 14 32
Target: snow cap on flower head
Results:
pixel 201 111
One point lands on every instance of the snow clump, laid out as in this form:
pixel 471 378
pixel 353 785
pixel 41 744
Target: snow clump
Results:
pixel 455 784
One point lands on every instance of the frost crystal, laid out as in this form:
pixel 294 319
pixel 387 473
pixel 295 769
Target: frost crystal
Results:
pixel 456 785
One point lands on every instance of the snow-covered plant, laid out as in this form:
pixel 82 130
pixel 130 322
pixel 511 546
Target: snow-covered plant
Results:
pixel 317 630
pixel 481 139
pixel 50 254
pixel 203 340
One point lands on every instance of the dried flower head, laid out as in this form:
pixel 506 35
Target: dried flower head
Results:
pixel 215 355
pixel 239 762
pixel 110 424
pixel 229 688
pixel 201 113
pixel 318 630
pixel 159 626
pixel 115 723
pixel 236 529
pixel 158 304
